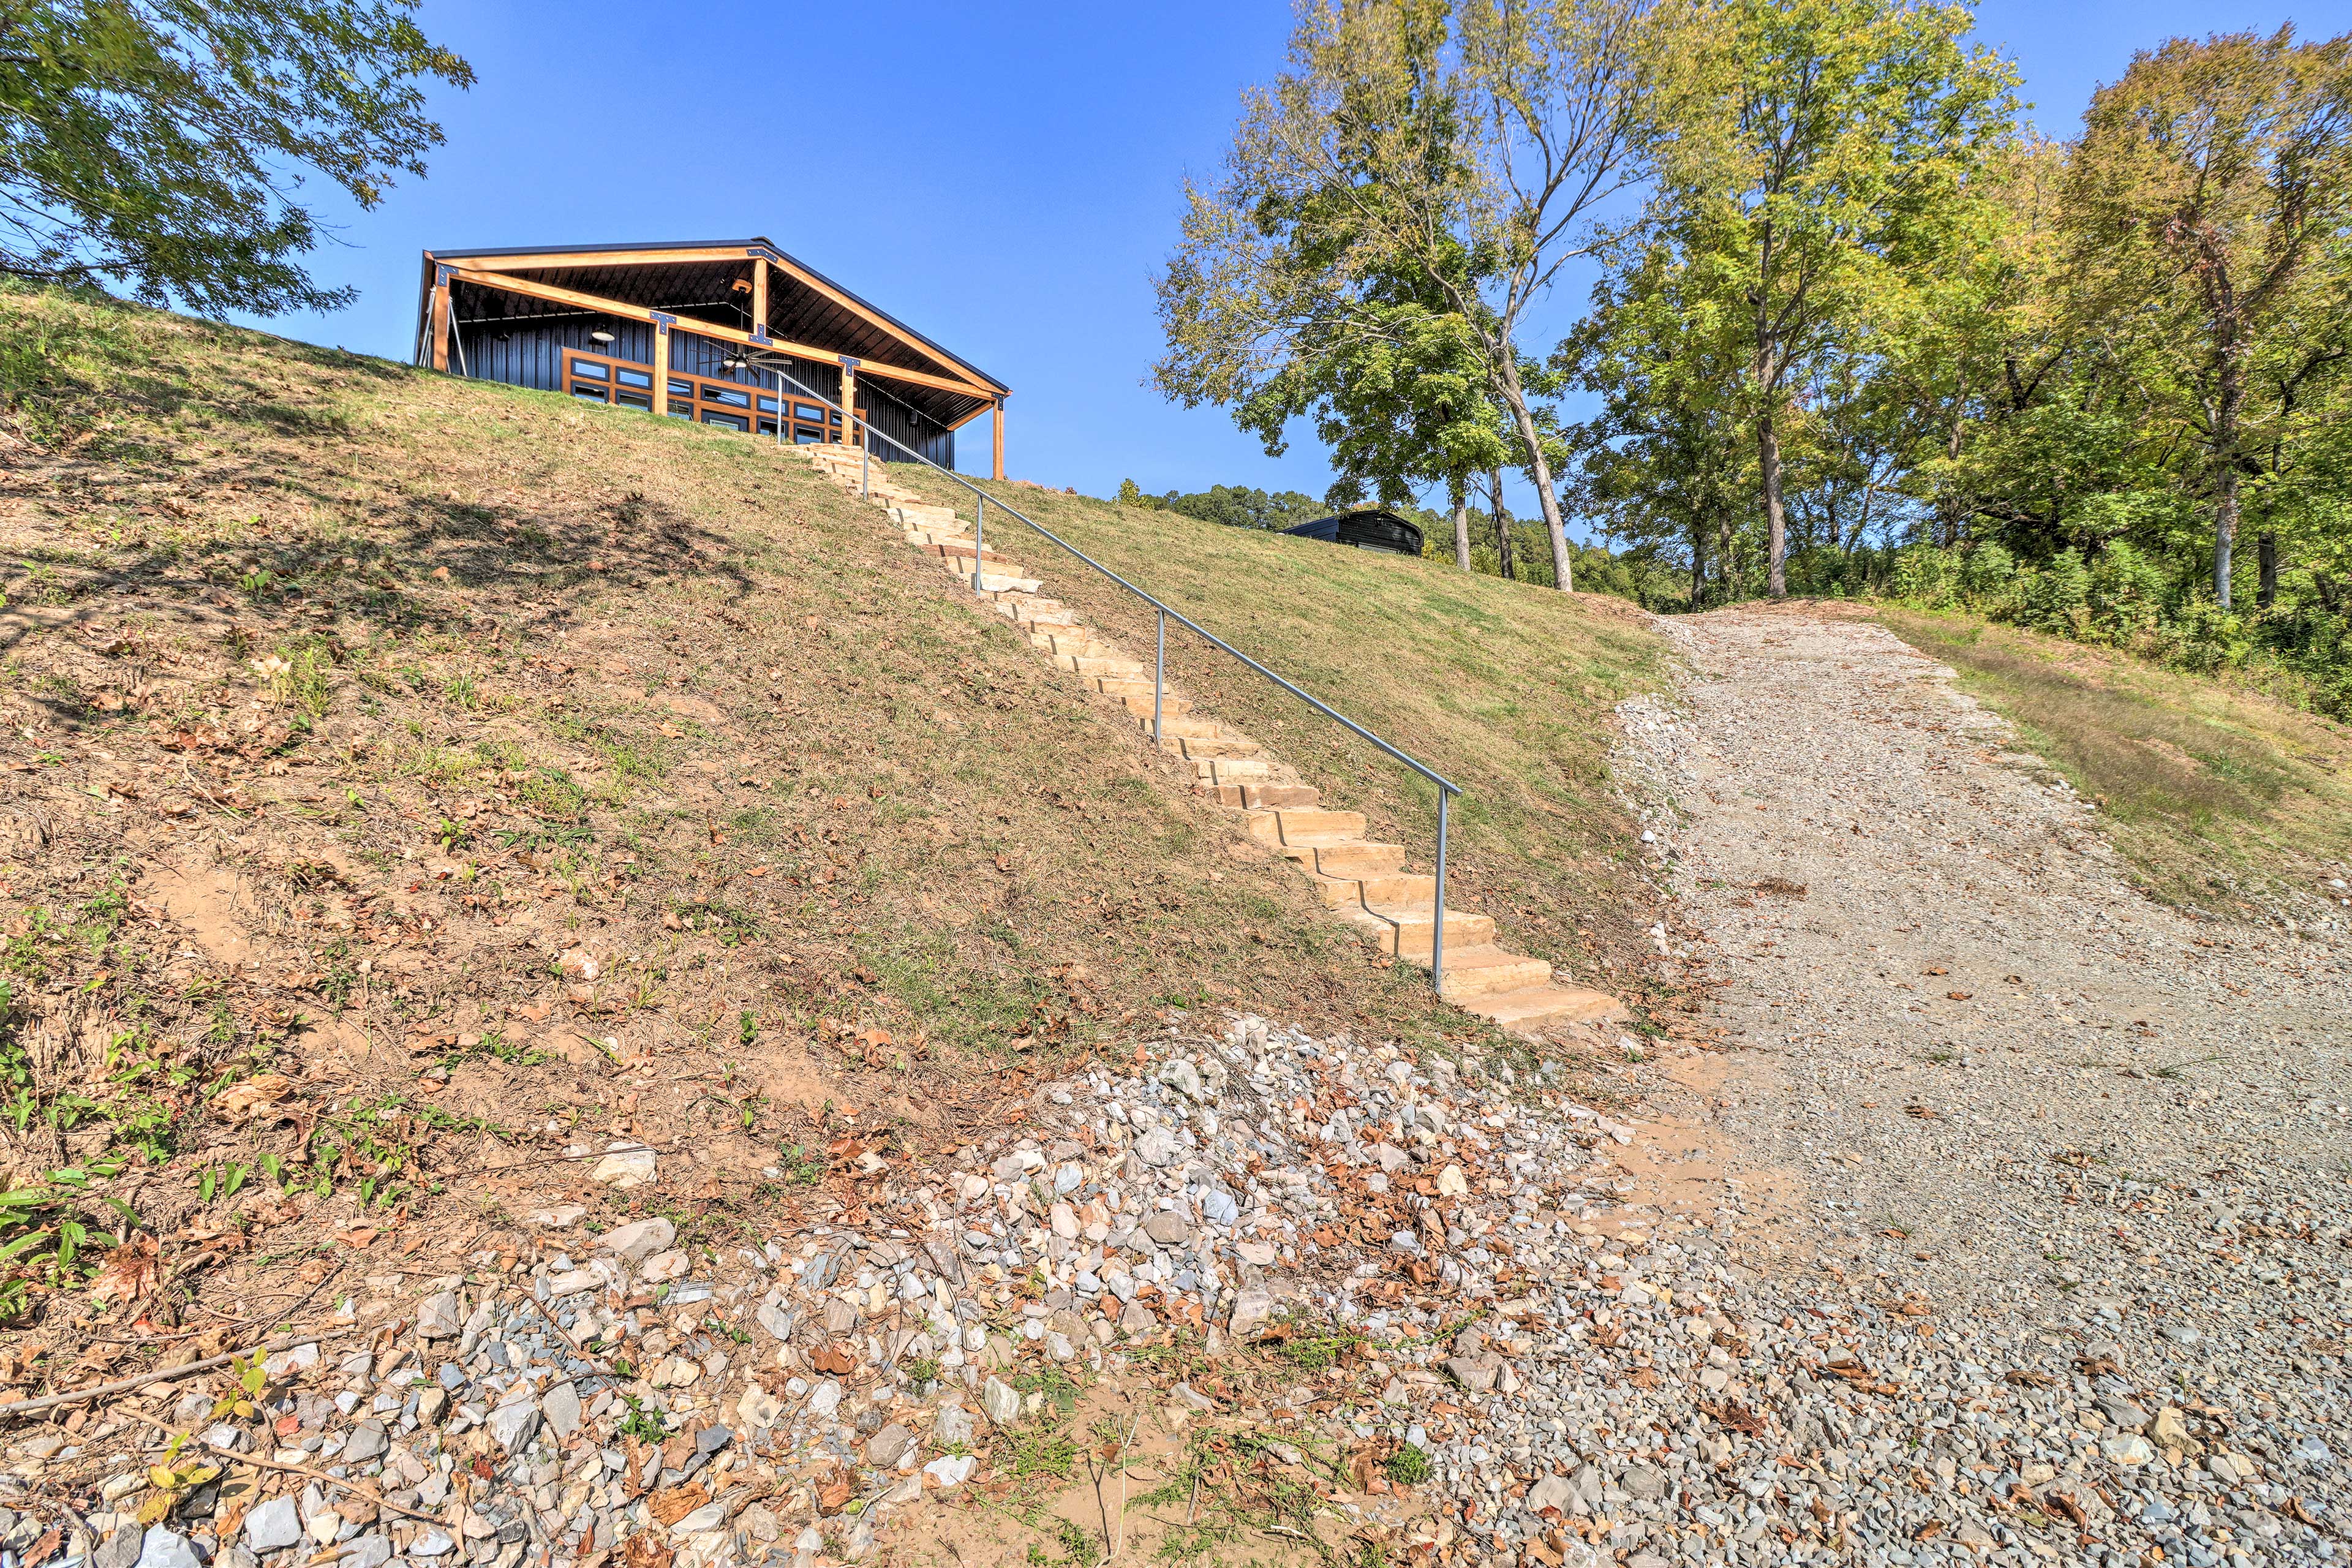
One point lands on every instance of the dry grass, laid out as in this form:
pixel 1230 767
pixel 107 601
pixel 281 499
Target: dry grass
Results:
pixel 2219 796
pixel 347 701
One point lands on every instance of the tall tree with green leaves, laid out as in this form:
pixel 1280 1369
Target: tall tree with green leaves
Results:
pixel 158 146
pixel 2212 183
pixel 1820 161
pixel 1454 152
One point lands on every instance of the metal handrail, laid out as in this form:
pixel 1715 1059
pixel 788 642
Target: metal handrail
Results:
pixel 1447 788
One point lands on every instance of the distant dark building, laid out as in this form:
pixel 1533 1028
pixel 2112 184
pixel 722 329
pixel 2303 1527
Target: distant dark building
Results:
pixel 1374 529
pixel 698 331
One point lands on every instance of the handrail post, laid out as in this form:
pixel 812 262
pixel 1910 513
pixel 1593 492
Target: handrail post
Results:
pixel 978 541
pixel 1437 931
pixel 1159 678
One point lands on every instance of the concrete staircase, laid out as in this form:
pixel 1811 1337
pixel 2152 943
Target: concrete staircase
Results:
pixel 1362 881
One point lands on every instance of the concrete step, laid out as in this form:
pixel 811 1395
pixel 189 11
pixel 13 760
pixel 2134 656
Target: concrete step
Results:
pixel 992 584
pixel 1539 1006
pixel 1476 972
pixel 1279 797
pixel 1131 689
pixel 914 513
pixel 1195 747
pixel 1232 769
pixel 1194 729
pixel 959 550
pixel 1293 829
pixel 1065 640
pixel 1382 890
pixel 1354 859
pixel 1141 706
pixel 1029 616
pixel 1405 934
pixel 1080 665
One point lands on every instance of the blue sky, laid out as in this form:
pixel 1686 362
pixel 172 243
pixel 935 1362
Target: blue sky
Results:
pixel 1002 177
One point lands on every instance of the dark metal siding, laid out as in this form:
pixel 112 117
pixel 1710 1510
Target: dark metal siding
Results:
pixel 529 352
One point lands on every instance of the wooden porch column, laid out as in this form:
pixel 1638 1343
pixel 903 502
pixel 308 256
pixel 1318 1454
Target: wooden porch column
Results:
pixel 997 425
pixel 661 364
pixel 441 319
pixel 760 296
pixel 848 400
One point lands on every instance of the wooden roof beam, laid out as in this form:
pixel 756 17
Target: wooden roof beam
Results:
pixel 557 294
pixel 601 258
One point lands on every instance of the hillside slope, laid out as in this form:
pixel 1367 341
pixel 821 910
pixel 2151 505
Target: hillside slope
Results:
pixel 2222 797
pixel 416 783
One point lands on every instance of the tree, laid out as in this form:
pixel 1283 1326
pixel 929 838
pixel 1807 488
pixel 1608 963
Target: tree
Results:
pixel 2211 180
pixel 1662 459
pixel 1451 153
pixel 157 145
pixel 1819 162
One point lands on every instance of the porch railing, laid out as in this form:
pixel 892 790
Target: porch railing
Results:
pixel 1446 789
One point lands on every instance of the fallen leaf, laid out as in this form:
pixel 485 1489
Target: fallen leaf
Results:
pixel 128 1274
pixel 1958 995
pixel 834 1494
pixel 240 1101
pixel 644 1552
pixel 675 1503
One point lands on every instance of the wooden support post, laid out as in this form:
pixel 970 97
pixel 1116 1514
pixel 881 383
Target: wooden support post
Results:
pixel 661 364
pixel 760 296
pixel 996 469
pixel 441 319
pixel 848 400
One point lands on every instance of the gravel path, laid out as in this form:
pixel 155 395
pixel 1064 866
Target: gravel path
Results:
pixel 2073 1120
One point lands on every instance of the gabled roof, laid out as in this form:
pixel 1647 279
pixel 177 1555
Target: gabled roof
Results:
pixel 695 280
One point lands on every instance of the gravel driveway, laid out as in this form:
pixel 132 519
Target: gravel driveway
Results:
pixel 2105 1140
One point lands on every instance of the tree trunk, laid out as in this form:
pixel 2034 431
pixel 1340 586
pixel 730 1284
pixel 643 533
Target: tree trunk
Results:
pixel 1698 564
pixel 2230 394
pixel 2266 546
pixel 1723 556
pixel 1459 493
pixel 1768 459
pixel 1515 398
pixel 1502 518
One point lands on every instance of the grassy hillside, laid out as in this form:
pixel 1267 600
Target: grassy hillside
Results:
pixel 410 779
pixel 1503 688
pixel 2220 796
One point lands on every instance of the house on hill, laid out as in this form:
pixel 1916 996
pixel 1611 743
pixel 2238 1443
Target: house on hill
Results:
pixel 701 330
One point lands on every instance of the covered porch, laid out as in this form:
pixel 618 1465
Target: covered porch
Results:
pixel 696 332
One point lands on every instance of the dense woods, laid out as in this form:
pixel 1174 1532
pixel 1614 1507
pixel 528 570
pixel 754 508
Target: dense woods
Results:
pixel 1852 326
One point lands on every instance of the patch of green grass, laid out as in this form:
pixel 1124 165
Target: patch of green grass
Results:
pixel 494 1047
pixel 2214 793
pixel 1408 1465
